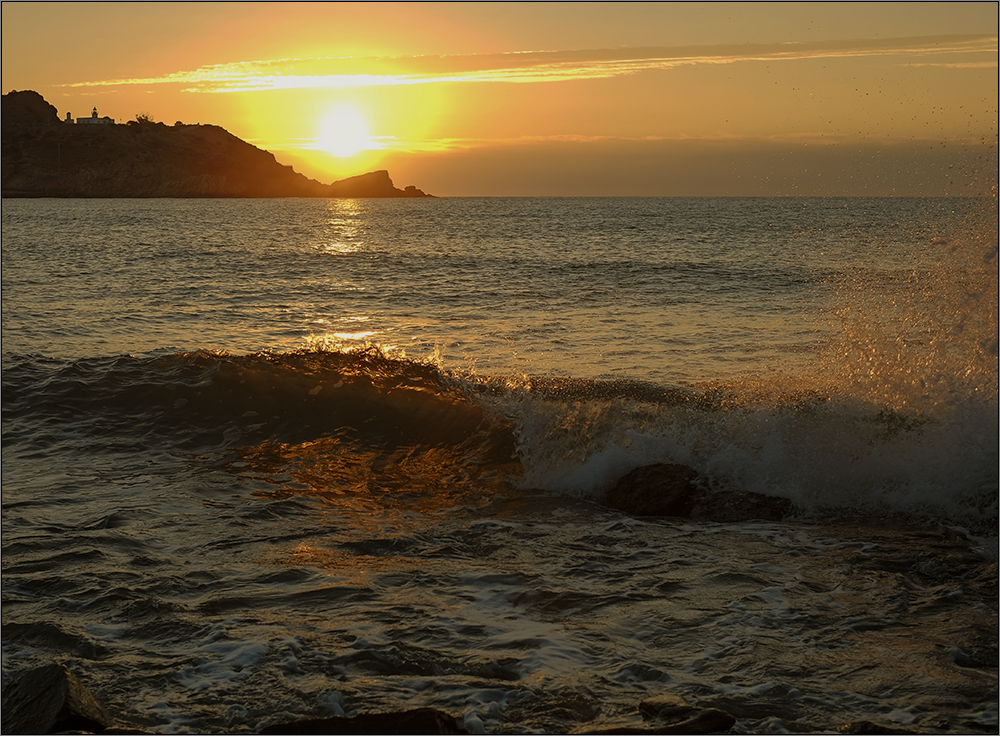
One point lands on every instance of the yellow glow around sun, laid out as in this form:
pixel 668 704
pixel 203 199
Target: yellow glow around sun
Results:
pixel 343 133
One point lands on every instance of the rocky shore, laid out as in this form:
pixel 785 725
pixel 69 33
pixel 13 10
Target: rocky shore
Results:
pixel 46 157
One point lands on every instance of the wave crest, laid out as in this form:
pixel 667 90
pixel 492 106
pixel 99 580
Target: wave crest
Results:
pixel 363 427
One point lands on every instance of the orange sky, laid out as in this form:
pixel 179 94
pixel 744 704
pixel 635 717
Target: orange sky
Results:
pixel 549 99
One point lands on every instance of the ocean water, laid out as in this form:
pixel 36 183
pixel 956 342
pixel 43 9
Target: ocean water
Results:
pixel 276 459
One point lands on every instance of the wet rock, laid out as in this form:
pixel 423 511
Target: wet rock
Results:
pixel 419 720
pixel 708 720
pixel 672 490
pixel 665 706
pixel 695 721
pixel 50 699
pixel 868 727
pixel 656 490
pixel 672 714
pixel 669 714
pixel 978 657
pixel 730 506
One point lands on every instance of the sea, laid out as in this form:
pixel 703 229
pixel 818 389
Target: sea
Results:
pixel 279 459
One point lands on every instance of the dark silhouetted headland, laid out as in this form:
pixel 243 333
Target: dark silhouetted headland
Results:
pixel 44 156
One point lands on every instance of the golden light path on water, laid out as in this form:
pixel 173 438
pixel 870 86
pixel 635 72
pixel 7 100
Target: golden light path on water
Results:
pixel 314 525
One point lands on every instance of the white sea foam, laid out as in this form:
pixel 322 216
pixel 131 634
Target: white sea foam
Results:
pixel 205 573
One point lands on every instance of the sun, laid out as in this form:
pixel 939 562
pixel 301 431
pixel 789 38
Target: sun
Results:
pixel 343 132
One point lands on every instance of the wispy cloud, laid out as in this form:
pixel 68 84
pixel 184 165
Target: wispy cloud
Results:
pixel 546 66
pixel 989 64
pixel 393 144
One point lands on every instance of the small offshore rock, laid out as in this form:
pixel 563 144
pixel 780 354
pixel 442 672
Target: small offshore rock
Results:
pixel 735 506
pixel 672 490
pixel 655 490
pixel 50 699
pixel 417 721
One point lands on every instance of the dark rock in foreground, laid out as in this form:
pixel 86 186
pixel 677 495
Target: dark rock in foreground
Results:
pixel 668 714
pixel 45 157
pixel 420 720
pixel 868 727
pixel 49 699
pixel 656 490
pixel 672 490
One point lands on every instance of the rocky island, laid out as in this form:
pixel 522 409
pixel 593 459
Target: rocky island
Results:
pixel 44 156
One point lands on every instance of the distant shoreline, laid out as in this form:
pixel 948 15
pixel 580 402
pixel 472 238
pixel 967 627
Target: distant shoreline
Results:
pixel 45 157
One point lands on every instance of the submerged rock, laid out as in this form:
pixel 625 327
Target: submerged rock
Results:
pixel 665 706
pixel 868 727
pixel 50 699
pixel 419 720
pixel 708 720
pixel 672 490
pixel 669 714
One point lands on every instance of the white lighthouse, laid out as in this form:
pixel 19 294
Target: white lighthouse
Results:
pixel 93 119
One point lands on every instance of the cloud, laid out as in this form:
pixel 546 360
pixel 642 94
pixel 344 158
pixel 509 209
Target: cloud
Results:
pixel 578 143
pixel 538 66
pixel 990 64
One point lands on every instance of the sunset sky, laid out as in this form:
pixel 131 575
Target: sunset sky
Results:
pixel 549 99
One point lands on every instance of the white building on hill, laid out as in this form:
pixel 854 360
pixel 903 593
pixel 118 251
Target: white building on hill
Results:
pixel 92 120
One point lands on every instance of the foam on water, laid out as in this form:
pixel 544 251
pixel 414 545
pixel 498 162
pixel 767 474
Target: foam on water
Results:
pixel 898 412
pixel 822 452
pixel 226 540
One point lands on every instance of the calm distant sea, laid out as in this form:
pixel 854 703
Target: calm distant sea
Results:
pixel 277 459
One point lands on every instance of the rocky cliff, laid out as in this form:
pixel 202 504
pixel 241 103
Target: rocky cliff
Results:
pixel 45 157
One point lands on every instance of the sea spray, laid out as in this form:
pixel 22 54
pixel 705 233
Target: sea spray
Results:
pixel 898 414
pixel 922 347
pixel 819 451
pixel 225 527
pixel 925 338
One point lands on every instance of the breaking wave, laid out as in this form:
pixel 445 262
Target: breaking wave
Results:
pixel 365 428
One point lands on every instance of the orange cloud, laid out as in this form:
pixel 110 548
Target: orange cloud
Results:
pixel 540 66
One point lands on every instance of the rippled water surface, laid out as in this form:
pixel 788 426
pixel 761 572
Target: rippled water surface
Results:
pixel 266 460
pixel 666 289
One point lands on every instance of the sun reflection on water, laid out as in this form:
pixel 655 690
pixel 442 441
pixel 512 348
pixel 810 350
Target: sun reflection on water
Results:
pixel 344 232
